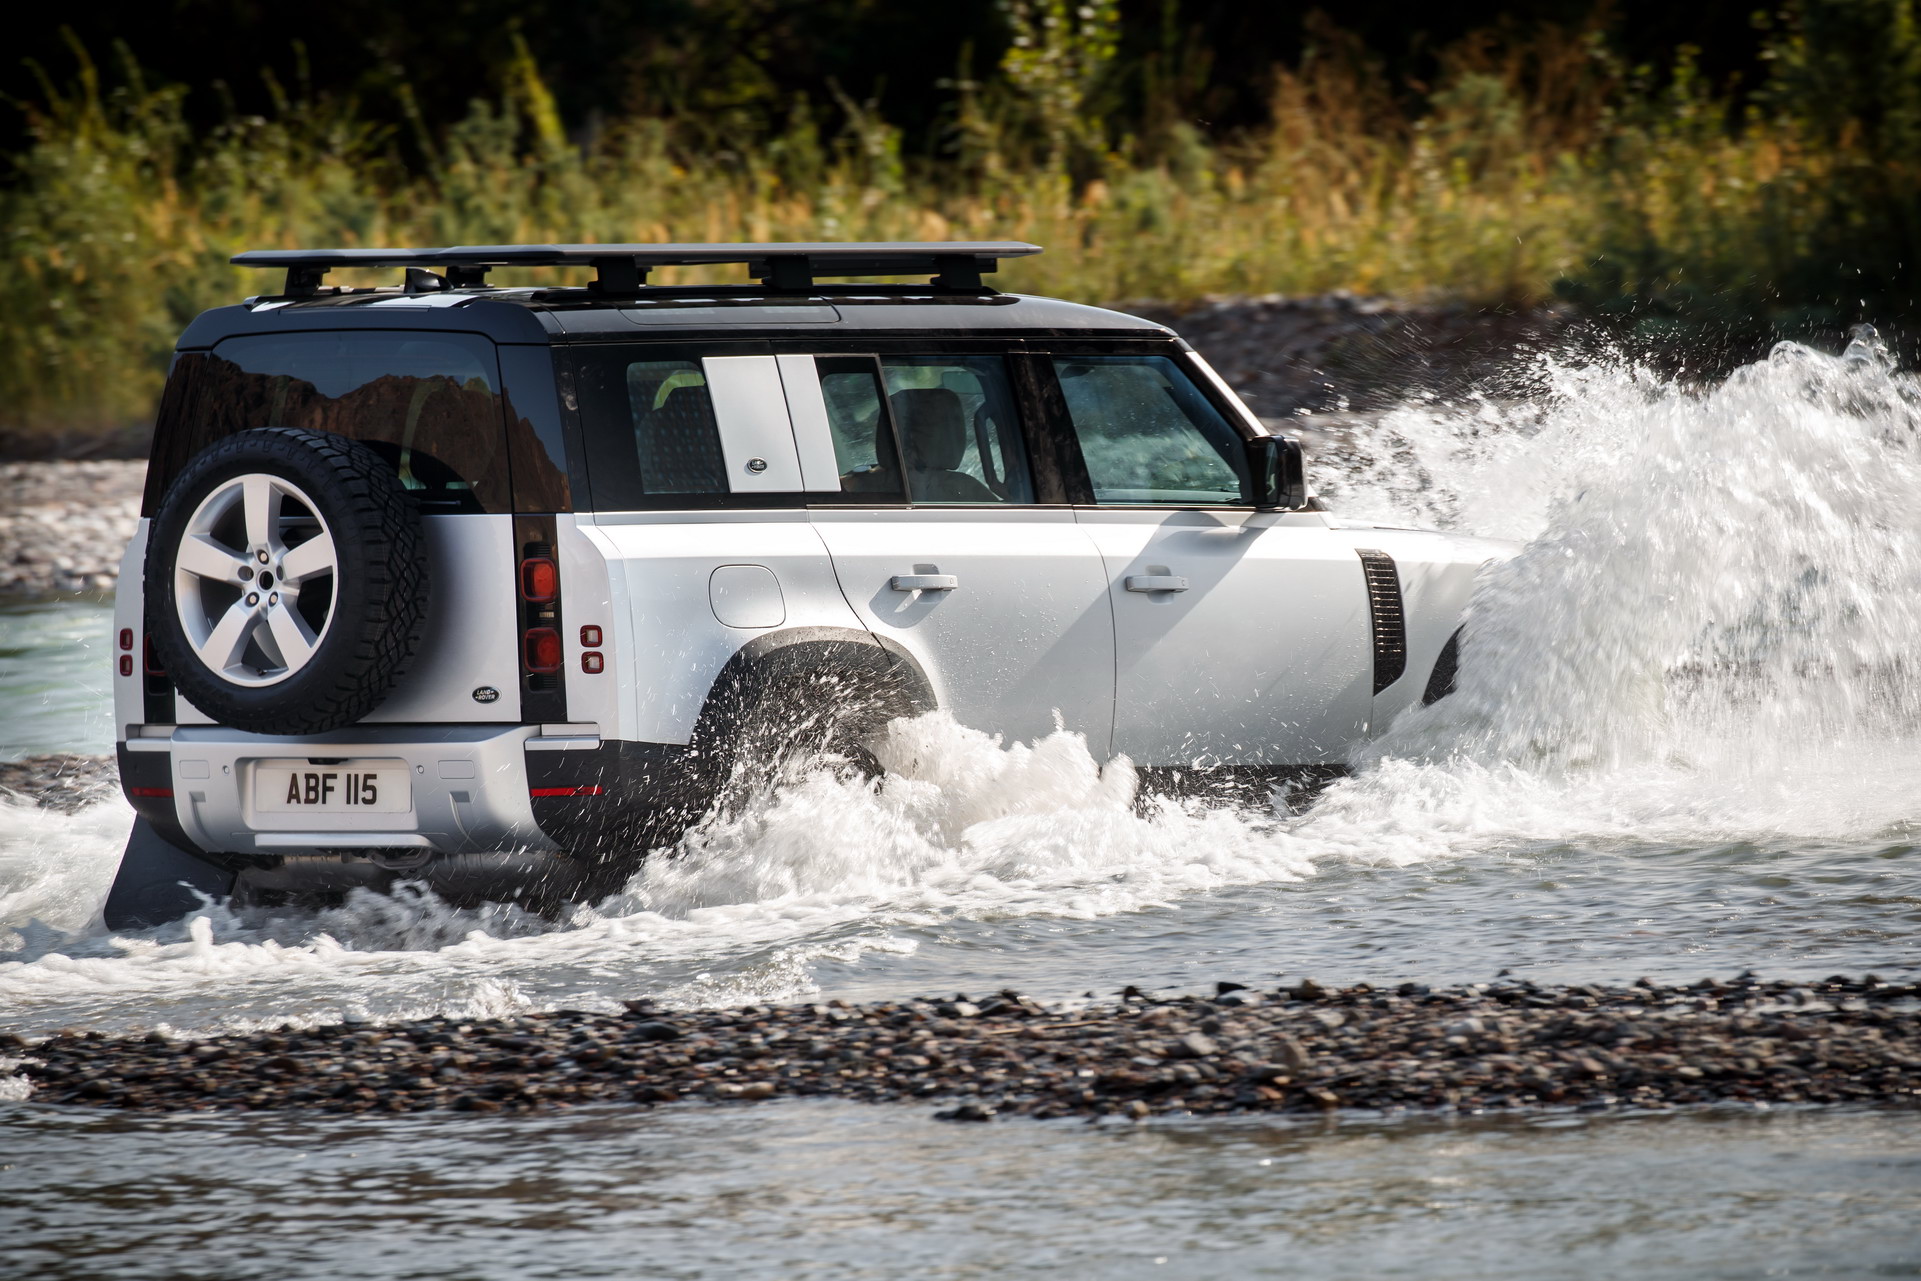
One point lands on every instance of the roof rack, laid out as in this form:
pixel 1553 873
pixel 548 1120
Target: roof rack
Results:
pixel 956 265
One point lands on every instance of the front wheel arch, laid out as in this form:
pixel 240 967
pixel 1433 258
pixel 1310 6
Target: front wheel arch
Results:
pixel 1447 666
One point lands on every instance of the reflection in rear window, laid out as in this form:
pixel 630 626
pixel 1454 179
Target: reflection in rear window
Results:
pixel 430 404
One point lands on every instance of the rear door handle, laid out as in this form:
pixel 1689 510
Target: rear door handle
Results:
pixel 1155 583
pixel 924 582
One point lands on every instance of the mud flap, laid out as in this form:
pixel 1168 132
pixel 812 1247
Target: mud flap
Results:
pixel 160 882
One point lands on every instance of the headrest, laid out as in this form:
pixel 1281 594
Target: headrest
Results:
pixel 687 400
pixel 933 427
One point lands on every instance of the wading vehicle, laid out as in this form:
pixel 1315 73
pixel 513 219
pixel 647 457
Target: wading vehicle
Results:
pixel 499 587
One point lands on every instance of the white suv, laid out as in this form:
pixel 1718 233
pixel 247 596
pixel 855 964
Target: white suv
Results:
pixel 498 588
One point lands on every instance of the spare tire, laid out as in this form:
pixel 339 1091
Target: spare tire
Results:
pixel 286 581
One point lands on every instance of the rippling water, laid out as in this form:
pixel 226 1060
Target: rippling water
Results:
pixel 1686 740
pixel 837 1190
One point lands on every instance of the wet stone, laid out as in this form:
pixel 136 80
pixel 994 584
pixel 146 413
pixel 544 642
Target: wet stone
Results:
pixel 1468 1049
pixel 655 1031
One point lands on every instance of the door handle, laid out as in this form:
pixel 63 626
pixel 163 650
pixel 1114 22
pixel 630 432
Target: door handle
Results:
pixel 924 582
pixel 1155 583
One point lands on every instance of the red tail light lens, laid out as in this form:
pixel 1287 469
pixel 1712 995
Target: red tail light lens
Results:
pixel 126 664
pixel 539 579
pixel 151 660
pixel 126 638
pixel 540 649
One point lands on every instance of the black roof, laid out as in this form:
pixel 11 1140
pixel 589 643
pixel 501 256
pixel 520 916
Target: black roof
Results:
pixel 551 316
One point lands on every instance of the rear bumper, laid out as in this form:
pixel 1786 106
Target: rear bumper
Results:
pixel 469 790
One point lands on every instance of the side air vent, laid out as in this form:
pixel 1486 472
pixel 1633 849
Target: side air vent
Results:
pixel 1390 621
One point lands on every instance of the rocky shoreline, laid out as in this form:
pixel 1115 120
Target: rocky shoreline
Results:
pixel 64 781
pixel 64 525
pixel 1303 1048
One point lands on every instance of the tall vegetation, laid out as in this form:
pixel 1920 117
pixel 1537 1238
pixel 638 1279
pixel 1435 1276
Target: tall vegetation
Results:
pixel 1534 165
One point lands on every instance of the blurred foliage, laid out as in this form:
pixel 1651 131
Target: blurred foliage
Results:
pixel 1517 162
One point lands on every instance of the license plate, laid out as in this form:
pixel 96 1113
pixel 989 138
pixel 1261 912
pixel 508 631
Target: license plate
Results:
pixel 353 787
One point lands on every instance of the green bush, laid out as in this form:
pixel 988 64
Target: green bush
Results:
pixel 1535 167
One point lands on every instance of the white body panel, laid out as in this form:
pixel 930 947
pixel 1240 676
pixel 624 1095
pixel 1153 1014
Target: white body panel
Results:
pixel 756 438
pixel 1437 573
pixel 807 409
pixel 589 599
pixel 1024 634
pixel 1265 657
pixel 472 636
pixel 663 566
pixel 129 700
pixel 456 802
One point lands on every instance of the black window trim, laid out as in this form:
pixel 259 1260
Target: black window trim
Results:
pixel 1061 479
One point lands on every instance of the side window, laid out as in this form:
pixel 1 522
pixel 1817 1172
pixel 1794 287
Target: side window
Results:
pixel 649 429
pixel 429 402
pixel 858 423
pixel 1148 435
pixel 958 429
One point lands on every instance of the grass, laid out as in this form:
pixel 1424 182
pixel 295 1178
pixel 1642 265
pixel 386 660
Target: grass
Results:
pixel 1531 170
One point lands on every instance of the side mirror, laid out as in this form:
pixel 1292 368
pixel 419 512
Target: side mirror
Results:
pixel 1278 472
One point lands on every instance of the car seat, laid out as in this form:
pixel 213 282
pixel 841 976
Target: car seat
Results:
pixel 679 445
pixel 933 432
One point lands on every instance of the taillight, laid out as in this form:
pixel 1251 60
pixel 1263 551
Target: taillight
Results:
pixel 540 650
pixel 537 584
pixel 539 579
pixel 151 660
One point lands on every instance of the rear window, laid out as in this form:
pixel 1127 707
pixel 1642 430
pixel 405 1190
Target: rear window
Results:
pixel 428 403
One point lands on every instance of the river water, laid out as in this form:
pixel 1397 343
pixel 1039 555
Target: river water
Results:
pixel 1686 742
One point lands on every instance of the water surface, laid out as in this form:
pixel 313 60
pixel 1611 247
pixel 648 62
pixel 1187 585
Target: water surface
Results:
pixel 816 1189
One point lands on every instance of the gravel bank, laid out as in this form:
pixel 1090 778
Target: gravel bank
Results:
pixel 1339 353
pixel 1299 1049
pixel 64 781
pixel 64 525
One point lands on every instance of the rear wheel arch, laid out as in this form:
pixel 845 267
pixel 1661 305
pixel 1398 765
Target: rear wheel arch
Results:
pixel 872 667
pixel 798 693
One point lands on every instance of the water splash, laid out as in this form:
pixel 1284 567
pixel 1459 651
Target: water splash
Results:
pixel 1723 573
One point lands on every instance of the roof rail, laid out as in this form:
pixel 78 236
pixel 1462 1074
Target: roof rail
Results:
pixel 956 265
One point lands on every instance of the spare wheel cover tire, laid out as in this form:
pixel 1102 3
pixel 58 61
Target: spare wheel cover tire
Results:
pixel 286 581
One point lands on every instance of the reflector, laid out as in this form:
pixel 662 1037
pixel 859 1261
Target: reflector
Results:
pixel 540 650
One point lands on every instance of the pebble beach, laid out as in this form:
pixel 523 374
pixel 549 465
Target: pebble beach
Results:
pixel 1299 1048
pixel 64 525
